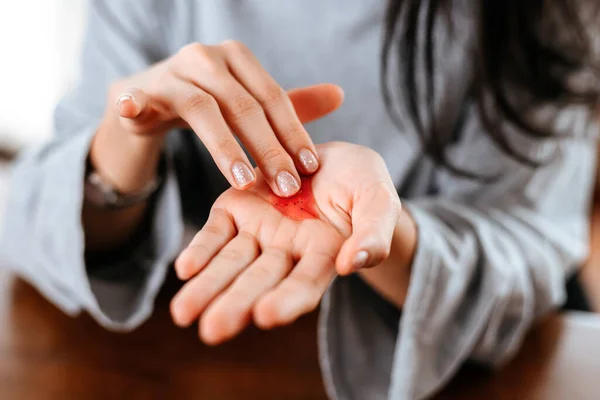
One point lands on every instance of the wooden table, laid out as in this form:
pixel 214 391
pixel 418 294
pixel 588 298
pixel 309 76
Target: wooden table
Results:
pixel 46 355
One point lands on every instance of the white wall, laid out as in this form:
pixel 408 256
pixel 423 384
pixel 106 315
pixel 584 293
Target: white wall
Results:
pixel 39 45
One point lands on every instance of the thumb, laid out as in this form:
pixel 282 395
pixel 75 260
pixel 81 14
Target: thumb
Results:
pixel 138 115
pixel 314 102
pixel 132 104
pixel 374 217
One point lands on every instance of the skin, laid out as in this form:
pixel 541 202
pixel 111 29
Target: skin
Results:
pixel 299 207
pixel 269 261
pixel 223 94
pixel 258 257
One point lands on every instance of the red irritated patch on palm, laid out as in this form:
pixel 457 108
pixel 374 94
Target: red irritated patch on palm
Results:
pixel 299 207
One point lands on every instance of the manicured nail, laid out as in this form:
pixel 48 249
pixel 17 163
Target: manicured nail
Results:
pixel 360 260
pixel 242 174
pixel 287 184
pixel 308 160
pixel 123 98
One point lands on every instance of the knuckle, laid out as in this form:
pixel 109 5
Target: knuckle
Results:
pixel 230 255
pixel 269 153
pixel 220 214
pixel 211 66
pixel 194 250
pixel 302 282
pixel 272 96
pixel 192 51
pixel 260 273
pixel 198 102
pixel 243 107
pixel 291 133
pixel 200 56
pixel 251 239
pixel 173 66
pixel 214 230
pixel 226 146
pixel 234 46
pixel 278 252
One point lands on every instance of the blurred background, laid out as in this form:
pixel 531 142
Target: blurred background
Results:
pixel 40 42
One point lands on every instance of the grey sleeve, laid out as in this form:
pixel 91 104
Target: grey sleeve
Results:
pixel 491 258
pixel 42 237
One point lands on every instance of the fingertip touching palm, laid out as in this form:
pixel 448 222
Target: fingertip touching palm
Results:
pixel 269 259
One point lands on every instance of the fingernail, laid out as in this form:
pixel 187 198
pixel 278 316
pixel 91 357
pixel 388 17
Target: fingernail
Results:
pixel 308 160
pixel 242 174
pixel 360 260
pixel 123 98
pixel 287 184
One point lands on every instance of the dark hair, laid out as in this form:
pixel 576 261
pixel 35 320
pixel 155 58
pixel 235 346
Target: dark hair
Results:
pixel 515 47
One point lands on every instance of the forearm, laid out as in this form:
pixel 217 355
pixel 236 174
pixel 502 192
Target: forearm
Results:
pixel 128 162
pixel 391 278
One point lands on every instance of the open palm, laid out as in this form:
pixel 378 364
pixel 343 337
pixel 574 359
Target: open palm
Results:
pixel 271 259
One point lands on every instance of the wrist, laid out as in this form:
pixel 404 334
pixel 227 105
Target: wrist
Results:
pixel 404 242
pixel 126 160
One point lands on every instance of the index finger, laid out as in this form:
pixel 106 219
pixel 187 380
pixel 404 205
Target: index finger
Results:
pixel 276 104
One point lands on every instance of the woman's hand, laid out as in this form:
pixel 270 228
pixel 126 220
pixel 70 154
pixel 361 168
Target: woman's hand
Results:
pixel 222 93
pixel 270 259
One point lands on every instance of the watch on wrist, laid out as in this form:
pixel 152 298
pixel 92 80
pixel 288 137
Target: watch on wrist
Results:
pixel 102 194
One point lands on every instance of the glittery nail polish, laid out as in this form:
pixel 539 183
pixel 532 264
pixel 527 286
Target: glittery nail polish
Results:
pixel 287 184
pixel 242 174
pixel 308 160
